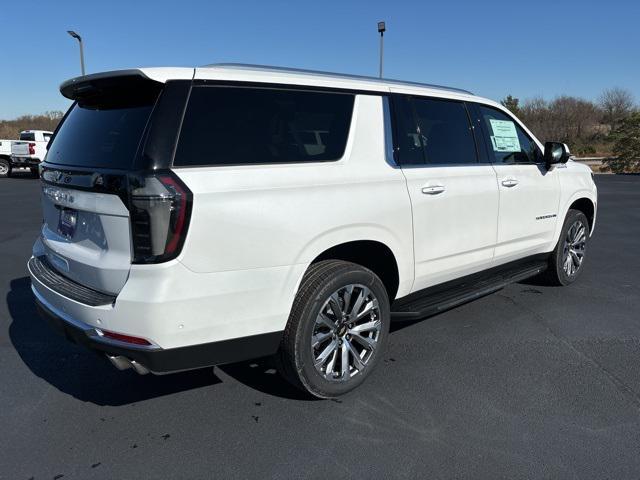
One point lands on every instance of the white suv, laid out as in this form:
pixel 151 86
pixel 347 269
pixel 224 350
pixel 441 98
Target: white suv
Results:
pixel 194 217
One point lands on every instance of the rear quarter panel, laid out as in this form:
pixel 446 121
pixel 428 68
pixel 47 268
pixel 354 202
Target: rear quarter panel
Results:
pixel 262 216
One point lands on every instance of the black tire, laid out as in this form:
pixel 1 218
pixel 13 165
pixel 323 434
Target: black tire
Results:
pixel 35 172
pixel 5 167
pixel 556 273
pixel 296 355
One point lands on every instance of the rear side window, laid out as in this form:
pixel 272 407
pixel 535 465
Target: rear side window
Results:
pixel 433 132
pixel 445 131
pixel 28 137
pixel 506 141
pixel 408 142
pixel 236 125
pixel 46 136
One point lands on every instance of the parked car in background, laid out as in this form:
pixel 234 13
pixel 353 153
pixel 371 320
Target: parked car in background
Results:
pixel 5 157
pixel 30 150
pixel 207 216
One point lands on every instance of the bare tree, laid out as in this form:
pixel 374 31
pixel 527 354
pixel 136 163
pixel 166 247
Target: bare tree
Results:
pixel 567 119
pixel 617 104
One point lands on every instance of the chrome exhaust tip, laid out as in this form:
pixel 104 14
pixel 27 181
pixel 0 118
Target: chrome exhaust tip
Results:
pixel 123 363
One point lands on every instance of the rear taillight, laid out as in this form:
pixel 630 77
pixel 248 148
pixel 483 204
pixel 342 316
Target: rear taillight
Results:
pixel 160 210
pixel 32 148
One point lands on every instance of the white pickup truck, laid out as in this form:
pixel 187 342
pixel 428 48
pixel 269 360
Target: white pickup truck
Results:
pixel 5 157
pixel 30 150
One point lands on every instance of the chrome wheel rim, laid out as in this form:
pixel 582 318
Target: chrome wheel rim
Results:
pixel 575 244
pixel 346 333
pixel 3 168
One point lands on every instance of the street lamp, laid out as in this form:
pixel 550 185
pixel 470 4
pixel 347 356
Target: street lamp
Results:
pixel 79 38
pixel 381 30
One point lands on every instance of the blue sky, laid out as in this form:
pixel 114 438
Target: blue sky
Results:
pixel 536 48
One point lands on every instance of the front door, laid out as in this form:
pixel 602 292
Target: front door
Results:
pixel 454 197
pixel 529 193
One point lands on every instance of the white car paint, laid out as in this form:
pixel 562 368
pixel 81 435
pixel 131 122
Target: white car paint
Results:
pixel 21 153
pixel 255 229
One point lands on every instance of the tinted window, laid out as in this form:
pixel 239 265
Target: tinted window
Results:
pixel 234 125
pixel 506 141
pixel 445 131
pixel 28 137
pixel 408 142
pixel 46 136
pixel 100 136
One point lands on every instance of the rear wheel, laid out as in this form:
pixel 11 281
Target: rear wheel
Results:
pixel 35 173
pixel 5 167
pixel 337 329
pixel 567 259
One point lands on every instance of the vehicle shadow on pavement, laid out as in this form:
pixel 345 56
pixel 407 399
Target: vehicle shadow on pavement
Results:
pixel 261 375
pixel 23 175
pixel 79 372
pixel 90 377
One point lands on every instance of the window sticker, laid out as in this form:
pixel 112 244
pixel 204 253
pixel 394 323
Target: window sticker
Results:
pixel 505 137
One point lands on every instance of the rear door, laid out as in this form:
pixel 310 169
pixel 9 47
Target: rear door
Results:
pixel 86 232
pixel 453 191
pixel 529 193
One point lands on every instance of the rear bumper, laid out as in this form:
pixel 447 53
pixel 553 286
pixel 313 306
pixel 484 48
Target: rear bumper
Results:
pixel 154 358
pixel 25 161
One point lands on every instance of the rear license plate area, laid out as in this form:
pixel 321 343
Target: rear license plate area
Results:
pixel 67 222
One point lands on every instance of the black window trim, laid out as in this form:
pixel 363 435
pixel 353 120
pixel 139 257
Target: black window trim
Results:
pixel 486 134
pixel 396 149
pixel 267 86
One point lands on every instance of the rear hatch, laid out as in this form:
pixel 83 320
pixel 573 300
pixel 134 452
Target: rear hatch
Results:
pixel 86 231
pixel 20 148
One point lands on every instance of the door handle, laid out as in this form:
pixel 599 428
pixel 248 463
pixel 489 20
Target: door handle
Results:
pixel 433 189
pixel 509 182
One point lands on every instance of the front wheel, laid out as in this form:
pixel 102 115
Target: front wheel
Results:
pixel 337 329
pixel 567 259
pixel 5 167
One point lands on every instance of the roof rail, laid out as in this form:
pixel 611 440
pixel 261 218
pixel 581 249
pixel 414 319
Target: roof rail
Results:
pixel 267 68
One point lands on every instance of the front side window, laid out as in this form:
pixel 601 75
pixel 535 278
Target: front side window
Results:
pixel 506 141
pixel 237 125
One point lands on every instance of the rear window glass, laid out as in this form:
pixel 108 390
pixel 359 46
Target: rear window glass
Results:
pixel 28 137
pixel 102 134
pixel 234 125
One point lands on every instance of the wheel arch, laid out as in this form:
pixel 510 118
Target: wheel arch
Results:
pixel 371 254
pixel 586 206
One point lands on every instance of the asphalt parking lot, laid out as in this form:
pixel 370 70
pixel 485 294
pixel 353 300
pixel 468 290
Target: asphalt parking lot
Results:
pixel 530 382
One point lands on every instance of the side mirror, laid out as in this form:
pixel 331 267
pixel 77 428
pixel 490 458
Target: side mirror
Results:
pixel 555 152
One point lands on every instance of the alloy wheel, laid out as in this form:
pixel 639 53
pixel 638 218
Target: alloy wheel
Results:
pixel 346 332
pixel 574 248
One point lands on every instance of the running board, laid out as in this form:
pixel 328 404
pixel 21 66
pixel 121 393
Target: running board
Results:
pixel 439 298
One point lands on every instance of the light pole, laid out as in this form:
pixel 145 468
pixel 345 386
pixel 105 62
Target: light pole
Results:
pixel 381 30
pixel 79 38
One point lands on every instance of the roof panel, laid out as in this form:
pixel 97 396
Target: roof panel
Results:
pixel 372 83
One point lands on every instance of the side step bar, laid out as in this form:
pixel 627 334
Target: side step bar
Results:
pixel 439 298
